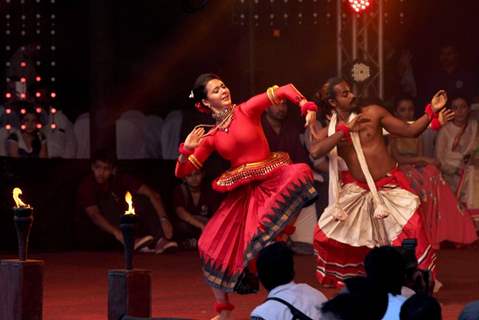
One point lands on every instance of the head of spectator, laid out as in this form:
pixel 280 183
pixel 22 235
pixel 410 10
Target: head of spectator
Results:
pixel 386 269
pixel 103 165
pixel 194 180
pixel 277 112
pixel 404 108
pixel 449 58
pixel 376 301
pixel 421 307
pixel 470 311
pixel 462 109
pixel 275 265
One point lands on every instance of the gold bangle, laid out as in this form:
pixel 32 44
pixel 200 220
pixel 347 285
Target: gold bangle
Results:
pixel 196 163
pixel 270 92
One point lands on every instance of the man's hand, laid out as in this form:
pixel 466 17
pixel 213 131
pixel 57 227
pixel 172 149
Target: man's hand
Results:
pixel 439 100
pixel 167 228
pixel 118 236
pixel 355 124
pixel 310 118
pixel 445 116
pixel 194 138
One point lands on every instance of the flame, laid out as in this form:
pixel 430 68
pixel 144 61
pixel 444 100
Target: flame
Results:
pixel 16 197
pixel 129 200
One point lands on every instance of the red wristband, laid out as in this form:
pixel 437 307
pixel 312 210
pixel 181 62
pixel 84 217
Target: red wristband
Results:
pixel 431 114
pixel 184 151
pixel 308 106
pixel 343 128
pixel 435 124
pixel 223 306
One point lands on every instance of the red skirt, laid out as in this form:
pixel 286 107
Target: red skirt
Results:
pixel 250 217
pixel 337 261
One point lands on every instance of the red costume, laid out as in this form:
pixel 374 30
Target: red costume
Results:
pixel 266 191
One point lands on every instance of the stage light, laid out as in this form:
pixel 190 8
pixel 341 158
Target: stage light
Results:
pixel 8 95
pixel 53 95
pixel 38 94
pixel 23 127
pixel 38 110
pixel 53 126
pixel 23 64
pixel 360 71
pixel 359 5
pixel 53 110
pixel 23 80
pixel 8 111
pixel 8 127
pixel 23 111
pixel 38 78
pixel 23 95
pixel 39 126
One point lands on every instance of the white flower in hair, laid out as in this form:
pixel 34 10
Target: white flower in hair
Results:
pixel 192 95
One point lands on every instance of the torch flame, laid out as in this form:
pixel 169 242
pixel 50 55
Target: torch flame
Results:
pixel 16 197
pixel 129 200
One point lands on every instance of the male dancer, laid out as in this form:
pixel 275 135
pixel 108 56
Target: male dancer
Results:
pixel 371 204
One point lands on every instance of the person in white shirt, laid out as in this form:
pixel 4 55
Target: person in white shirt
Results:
pixel 286 299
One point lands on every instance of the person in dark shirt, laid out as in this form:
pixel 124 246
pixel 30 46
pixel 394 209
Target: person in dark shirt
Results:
pixel 101 196
pixel 195 202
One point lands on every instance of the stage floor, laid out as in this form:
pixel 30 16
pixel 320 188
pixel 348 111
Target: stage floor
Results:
pixel 76 284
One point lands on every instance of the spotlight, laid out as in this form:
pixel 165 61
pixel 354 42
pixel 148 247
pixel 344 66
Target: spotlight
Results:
pixel 38 94
pixel 8 111
pixel 23 95
pixel 23 127
pixel 23 111
pixel 38 78
pixel 23 64
pixel 53 126
pixel 8 95
pixel 8 127
pixel 39 126
pixel 53 95
pixel 359 5
pixel 53 110
pixel 360 71
pixel 23 80
pixel 38 110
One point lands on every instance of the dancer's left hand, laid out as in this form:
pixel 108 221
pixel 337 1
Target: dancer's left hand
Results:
pixel 439 100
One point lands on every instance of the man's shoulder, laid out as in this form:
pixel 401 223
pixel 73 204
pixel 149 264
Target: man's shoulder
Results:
pixel 372 108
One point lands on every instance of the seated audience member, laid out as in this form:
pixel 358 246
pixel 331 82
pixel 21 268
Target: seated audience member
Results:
pixel 28 142
pixel 386 270
pixel 195 202
pixel 286 298
pixel 456 148
pixel 421 307
pixel 359 299
pixel 443 219
pixel 470 311
pixel 101 196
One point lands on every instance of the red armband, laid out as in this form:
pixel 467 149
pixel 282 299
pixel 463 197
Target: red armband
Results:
pixel 343 128
pixel 223 306
pixel 431 114
pixel 308 106
pixel 184 151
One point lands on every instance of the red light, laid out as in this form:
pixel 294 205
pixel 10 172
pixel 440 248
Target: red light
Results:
pixel 8 111
pixel 23 111
pixel 39 126
pixel 8 127
pixel 23 64
pixel 23 79
pixel 53 110
pixel 359 5
pixel 38 109
pixel 53 95
pixel 38 94
pixel 23 95
pixel 53 126
pixel 38 78
pixel 8 95
pixel 23 127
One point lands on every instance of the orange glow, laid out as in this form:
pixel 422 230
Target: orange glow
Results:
pixel 129 200
pixel 16 197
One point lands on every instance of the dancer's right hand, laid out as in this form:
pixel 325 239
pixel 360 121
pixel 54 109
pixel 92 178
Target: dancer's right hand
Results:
pixel 194 138
pixel 355 124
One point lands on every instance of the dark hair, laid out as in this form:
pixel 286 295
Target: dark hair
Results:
pixel 386 269
pixel 199 90
pixel 364 304
pixel 104 155
pixel 420 307
pixel 451 99
pixel 373 302
pixel 323 95
pixel 275 265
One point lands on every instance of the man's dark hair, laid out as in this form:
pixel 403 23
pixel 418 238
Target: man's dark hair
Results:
pixel 275 265
pixel 104 155
pixel 386 269
pixel 323 95
pixel 420 307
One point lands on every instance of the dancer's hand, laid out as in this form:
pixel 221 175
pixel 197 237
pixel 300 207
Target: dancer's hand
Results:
pixel 445 116
pixel 439 100
pixel 310 118
pixel 194 138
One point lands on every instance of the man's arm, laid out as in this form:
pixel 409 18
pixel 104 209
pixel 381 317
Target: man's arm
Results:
pixel 97 218
pixel 184 215
pixel 157 203
pixel 324 144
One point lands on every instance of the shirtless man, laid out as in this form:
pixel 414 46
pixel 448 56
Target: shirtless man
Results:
pixel 350 226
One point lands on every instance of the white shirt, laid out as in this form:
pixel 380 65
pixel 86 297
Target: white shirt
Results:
pixel 302 296
pixel 394 306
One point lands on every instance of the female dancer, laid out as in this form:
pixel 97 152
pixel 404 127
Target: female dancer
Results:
pixel 443 218
pixel 265 191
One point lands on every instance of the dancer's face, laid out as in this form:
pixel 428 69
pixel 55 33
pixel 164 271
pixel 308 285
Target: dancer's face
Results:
pixel 461 110
pixel 217 95
pixel 344 100
pixel 405 110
